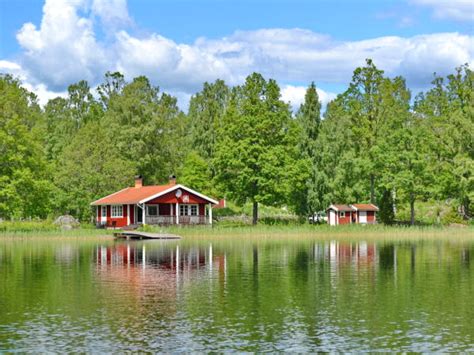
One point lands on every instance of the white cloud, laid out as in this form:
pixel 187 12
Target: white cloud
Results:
pixel 174 66
pixel 9 67
pixel 65 49
pixel 113 13
pixel 459 10
pixel 41 91
pixel 439 53
pixel 295 95
pixel 299 55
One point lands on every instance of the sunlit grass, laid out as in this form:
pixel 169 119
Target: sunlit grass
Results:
pixel 265 232
pixel 323 232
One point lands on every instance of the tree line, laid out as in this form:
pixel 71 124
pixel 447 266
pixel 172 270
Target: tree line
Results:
pixel 374 143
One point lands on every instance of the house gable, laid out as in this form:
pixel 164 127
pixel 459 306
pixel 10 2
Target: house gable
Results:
pixel 190 192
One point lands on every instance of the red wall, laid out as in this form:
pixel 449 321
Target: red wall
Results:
pixel 346 219
pixel 370 216
pixel 119 221
pixel 165 209
pixel 132 214
pixel 170 197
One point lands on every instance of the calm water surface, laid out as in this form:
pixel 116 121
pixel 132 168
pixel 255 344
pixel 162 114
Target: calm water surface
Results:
pixel 231 295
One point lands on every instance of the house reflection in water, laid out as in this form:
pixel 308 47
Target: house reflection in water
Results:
pixel 336 253
pixel 164 258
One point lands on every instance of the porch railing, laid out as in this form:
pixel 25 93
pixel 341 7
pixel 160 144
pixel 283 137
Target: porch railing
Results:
pixel 168 220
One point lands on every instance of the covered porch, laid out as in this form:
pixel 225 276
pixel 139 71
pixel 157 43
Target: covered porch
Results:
pixel 172 214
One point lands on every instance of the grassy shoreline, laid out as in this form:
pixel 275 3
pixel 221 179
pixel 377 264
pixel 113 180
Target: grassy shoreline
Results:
pixel 265 232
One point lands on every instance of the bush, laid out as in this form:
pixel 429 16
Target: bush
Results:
pixel 280 220
pixel 452 216
pixel 224 212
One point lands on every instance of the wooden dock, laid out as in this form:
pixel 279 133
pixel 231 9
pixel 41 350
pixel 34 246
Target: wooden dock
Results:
pixel 144 235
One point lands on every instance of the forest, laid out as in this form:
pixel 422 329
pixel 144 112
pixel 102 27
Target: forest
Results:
pixel 374 143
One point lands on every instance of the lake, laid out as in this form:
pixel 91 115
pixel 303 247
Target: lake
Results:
pixel 236 294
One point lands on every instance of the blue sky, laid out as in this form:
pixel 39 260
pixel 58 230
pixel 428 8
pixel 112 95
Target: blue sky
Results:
pixel 180 44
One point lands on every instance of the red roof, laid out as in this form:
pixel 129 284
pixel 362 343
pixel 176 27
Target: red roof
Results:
pixel 341 207
pixel 131 195
pixel 365 207
pixel 354 207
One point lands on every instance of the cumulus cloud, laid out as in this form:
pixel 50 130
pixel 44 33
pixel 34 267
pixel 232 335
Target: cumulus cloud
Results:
pixel 113 13
pixel 459 10
pixel 441 53
pixel 301 55
pixel 65 49
pixel 295 95
pixel 41 90
pixel 9 67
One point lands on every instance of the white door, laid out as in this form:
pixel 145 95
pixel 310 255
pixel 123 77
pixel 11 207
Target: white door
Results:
pixel 362 217
pixel 103 214
pixel 332 218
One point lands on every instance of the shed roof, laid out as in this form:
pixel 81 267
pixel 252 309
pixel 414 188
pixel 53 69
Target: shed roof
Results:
pixel 132 195
pixel 365 207
pixel 341 208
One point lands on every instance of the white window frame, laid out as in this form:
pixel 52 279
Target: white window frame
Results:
pixel 113 212
pixel 157 210
pixel 187 208
pixel 342 214
pixel 103 211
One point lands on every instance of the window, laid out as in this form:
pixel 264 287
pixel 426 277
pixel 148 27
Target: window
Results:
pixel 152 210
pixel 104 211
pixel 188 210
pixel 117 211
pixel 342 214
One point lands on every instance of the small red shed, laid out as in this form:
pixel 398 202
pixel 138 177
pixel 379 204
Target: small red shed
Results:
pixel 365 213
pixel 347 214
pixel 158 204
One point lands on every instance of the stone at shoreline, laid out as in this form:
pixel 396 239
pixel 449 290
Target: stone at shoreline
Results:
pixel 67 222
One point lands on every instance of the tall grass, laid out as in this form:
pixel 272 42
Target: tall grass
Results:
pixel 45 228
pixel 239 231
pixel 322 232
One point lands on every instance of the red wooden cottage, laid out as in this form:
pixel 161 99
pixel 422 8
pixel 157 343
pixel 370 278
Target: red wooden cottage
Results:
pixel 159 204
pixel 357 213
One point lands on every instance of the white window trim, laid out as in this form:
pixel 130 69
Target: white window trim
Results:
pixel 187 208
pixel 112 214
pixel 342 214
pixel 157 210
pixel 102 210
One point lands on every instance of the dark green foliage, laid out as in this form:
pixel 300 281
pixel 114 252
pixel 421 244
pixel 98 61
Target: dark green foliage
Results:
pixel 386 210
pixel 196 174
pixel 242 143
pixel 25 187
pixel 89 168
pixel 305 195
pixel 256 151
pixel 206 114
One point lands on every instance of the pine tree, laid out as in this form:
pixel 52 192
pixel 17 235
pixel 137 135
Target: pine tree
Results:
pixel 309 119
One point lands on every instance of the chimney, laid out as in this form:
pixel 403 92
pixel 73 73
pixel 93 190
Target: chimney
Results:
pixel 172 180
pixel 138 181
